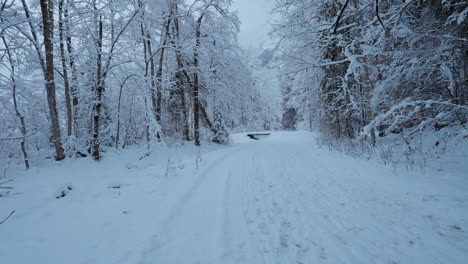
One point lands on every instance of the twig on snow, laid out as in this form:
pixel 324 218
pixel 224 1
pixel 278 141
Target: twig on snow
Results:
pixel 5 182
pixel 4 220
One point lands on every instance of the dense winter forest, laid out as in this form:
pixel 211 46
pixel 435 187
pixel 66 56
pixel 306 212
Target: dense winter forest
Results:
pixel 233 131
pixel 84 76
pixel 366 69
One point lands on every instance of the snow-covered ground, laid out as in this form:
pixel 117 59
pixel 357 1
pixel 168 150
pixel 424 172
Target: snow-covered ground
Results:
pixel 282 199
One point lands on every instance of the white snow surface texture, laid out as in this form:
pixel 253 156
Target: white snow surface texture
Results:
pixel 282 199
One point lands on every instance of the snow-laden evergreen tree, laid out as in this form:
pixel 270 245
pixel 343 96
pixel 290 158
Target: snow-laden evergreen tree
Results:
pixel 220 132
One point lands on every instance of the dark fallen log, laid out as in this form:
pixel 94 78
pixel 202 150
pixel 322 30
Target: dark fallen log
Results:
pixel 81 154
pixel 255 136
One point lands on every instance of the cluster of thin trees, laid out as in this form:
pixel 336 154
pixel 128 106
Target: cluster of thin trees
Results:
pixel 357 69
pixel 83 76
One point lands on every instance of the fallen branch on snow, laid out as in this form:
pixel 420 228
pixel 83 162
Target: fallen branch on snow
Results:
pixel 21 137
pixel 4 220
pixel 5 182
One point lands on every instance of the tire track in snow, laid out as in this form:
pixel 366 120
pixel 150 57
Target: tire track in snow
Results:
pixel 250 210
pixel 270 209
pixel 259 241
pixel 168 228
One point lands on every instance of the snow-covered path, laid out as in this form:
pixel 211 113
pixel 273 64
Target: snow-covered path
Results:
pixel 279 200
pixel 283 200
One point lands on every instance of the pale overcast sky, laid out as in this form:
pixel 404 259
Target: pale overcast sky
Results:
pixel 255 18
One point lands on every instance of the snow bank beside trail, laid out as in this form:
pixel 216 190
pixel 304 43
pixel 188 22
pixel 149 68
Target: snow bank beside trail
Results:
pixel 445 149
pixel 82 211
pixel 429 150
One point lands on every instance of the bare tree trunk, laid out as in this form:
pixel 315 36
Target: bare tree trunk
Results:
pixel 15 104
pixel 35 39
pixel 196 104
pixel 150 69
pixel 74 83
pixel 337 22
pixel 129 123
pixel 68 102
pixel 373 138
pixel 208 122
pixel 117 133
pixel 47 8
pixel 156 93
pixel 348 118
pixel 102 69
pixel 147 130
pixel 160 68
pixel 186 127
pixel 99 91
pixel 180 74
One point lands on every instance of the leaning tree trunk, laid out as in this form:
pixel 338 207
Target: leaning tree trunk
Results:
pixel 15 104
pixel 47 8
pixel 35 39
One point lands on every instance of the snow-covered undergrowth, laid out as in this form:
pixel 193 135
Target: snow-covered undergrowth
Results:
pixel 281 199
pixel 428 148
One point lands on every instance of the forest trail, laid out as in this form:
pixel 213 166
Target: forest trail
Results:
pixel 285 200
pixel 279 200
